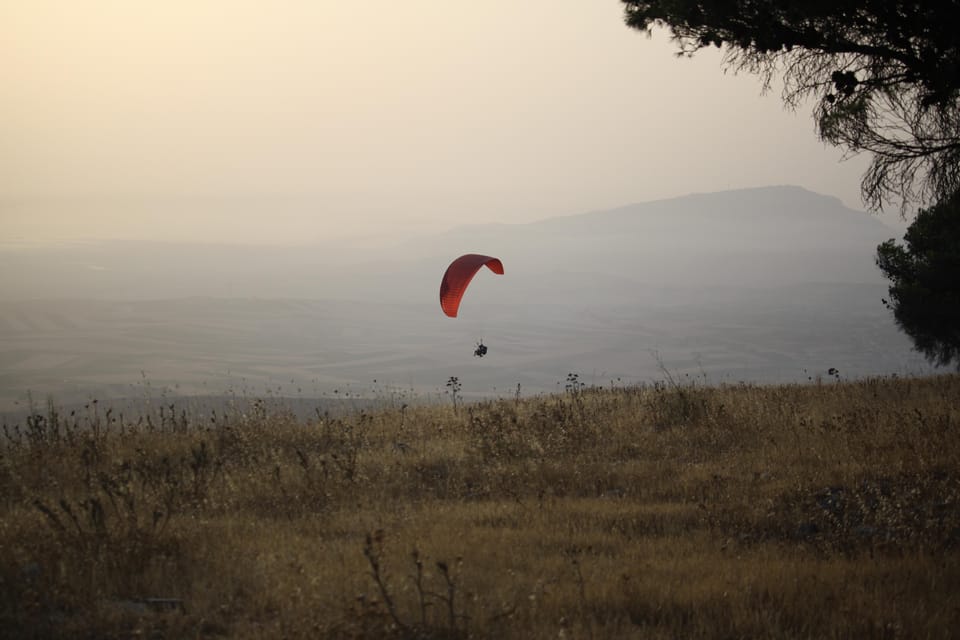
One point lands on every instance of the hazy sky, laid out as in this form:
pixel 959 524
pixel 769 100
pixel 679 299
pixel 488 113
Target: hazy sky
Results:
pixel 301 120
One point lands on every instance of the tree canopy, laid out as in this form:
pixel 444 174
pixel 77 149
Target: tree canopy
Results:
pixel 885 75
pixel 924 276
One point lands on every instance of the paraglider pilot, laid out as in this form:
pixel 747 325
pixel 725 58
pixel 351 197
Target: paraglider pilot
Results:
pixel 481 350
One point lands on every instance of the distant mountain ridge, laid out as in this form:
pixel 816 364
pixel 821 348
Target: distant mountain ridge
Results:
pixel 784 207
pixel 751 237
pixel 710 238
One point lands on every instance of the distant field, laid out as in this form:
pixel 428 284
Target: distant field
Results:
pixel 79 350
pixel 671 510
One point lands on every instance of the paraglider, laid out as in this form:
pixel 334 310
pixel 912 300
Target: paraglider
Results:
pixel 455 281
pixel 458 276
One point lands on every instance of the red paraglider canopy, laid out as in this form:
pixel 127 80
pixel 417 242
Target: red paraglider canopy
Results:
pixel 458 276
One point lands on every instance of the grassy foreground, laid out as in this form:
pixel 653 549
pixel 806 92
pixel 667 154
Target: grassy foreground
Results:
pixel 824 510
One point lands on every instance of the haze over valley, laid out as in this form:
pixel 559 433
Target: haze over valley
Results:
pixel 774 284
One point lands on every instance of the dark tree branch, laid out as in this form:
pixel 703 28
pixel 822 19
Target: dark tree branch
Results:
pixel 885 75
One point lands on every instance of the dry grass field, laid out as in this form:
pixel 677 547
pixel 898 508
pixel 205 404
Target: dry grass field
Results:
pixel 827 510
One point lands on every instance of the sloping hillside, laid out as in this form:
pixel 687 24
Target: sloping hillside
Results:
pixel 665 511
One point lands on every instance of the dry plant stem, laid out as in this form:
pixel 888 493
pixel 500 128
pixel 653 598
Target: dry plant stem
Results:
pixel 373 549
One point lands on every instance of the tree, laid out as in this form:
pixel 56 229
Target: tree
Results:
pixel 885 75
pixel 924 276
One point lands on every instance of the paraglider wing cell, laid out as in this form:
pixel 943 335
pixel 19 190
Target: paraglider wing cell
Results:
pixel 458 276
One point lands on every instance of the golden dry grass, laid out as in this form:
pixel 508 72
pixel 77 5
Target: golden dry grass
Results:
pixel 823 510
